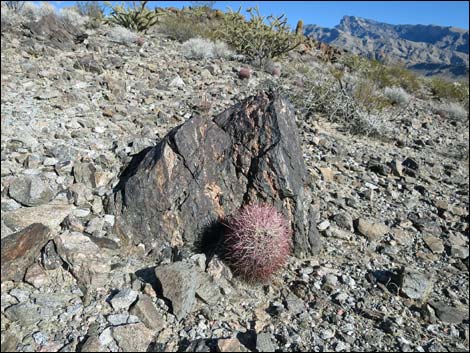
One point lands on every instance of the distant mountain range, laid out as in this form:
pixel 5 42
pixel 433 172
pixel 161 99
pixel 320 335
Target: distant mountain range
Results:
pixel 429 49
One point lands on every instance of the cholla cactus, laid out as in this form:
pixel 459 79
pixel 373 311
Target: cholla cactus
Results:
pixel 138 18
pixel 258 242
pixel 259 38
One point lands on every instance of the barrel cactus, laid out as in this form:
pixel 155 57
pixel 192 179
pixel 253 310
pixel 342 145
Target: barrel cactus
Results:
pixel 258 242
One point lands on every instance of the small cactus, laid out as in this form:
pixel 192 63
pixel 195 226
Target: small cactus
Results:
pixel 300 27
pixel 140 41
pixel 258 242
pixel 244 73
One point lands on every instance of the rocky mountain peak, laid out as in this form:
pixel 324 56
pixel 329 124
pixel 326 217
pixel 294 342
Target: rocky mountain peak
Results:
pixel 431 49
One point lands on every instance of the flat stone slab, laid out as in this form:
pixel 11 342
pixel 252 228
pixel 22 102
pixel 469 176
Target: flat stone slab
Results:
pixel 51 215
pixel 87 261
pixel 19 250
pixel 133 337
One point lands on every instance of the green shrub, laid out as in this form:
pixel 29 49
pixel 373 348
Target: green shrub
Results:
pixel 354 103
pixel 200 48
pixel 137 18
pixel 190 23
pixel 397 95
pixel 93 9
pixel 392 75
pixel 452 110
pixel 384 75
pixel 258 40
pixel 454 91
pixel 365 95
pixel 404 78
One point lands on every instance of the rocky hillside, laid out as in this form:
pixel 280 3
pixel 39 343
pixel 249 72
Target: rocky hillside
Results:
pixel 119 151
pixel 428 49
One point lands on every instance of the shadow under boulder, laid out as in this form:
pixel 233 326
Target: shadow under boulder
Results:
pixel 206 169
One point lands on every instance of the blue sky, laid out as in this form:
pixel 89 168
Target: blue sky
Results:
pixel 329 13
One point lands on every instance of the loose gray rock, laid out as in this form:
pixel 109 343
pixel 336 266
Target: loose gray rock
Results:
pixel 331 280
pixel 323 225
pixel 344 221
pixel 339 233
pixel 178 283
pixel 327 334
pixel 10 341
pixel 208 289
pixel 87 63
pixel 294 304
pixel 5 231
pixel 118 319
pixel 106 337
pixel 93 344
pixel 177 82
pixel 371 230
pixel 264 342
pixel 40 338
pixel 147 313
pixel 89 263
pixel 199 345
pixel 79 194
pixel 449 314
pixel 459 251
pixel 434 243
pixel 36 276
pixel 9 205
pixel 123 299
pixel 31 190
pixel 20 294
pixel 104 243
pixel 200 260
pixel 133 337
pixel 49 257
pixel 85 173
pixel 415 284
pixel 230 345
pixel 95 225
pixel 24 313
pixel 218 269
pixel 64 167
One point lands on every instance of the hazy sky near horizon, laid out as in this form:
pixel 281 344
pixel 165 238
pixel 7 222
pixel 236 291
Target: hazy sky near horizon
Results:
pixel 329 13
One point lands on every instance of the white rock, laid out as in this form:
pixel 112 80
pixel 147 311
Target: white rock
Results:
pixel 106 337
pixel 108 218
pixel 124 299
pixel 177 82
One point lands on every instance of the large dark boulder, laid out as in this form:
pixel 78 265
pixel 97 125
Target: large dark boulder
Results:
pixel 207 168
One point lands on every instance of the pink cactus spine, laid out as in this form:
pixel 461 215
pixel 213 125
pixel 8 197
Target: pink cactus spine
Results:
pixel 258 242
